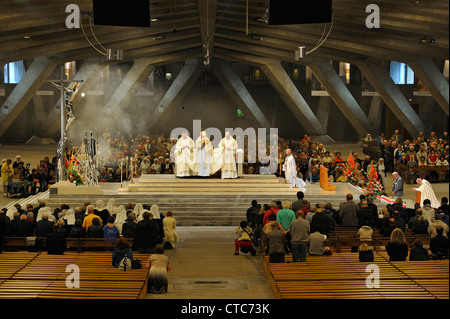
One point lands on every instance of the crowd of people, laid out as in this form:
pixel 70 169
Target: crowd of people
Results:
pixel 300 228
pixel 123 157
pixel 150 231
pixel 403 155
pixel 19 180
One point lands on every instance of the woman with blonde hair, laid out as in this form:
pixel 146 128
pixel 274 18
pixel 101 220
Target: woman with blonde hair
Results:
pixel 365 253
pixel 397 248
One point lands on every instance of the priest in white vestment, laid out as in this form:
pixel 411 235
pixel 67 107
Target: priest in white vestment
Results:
pixel 184 150
pixel 203 155
pixel 290 171
pixel 426 192
pixel 225 157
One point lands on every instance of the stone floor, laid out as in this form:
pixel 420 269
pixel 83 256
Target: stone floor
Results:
pixel 204 267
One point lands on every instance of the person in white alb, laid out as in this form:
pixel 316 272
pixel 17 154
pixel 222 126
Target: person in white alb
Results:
pixel 426 192
pixel 227 150
pixel 203 154
pixel 184 155
pixel 290 171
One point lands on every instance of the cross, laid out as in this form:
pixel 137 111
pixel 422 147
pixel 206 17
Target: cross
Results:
pixel 60 151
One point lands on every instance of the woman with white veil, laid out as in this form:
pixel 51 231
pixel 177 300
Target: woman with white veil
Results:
pixel 382 171
pixel 138 210
pixel 121 216
pixel 111 206
pixel 69 217
pixel 42 210
pixel 101 210
pixel 154 211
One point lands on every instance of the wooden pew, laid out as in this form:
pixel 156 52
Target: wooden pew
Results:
pixel 343 276
pixel 74 244
pixel 44 276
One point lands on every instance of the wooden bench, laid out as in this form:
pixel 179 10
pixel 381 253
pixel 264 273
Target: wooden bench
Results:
pixel 74 244
pixel 343 276
pixel 44 276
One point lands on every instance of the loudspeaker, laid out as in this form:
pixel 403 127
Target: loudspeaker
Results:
pixel 283 12
pixel 120 13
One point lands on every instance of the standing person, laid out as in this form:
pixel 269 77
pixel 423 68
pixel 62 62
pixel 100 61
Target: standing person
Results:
pixel 285 216
pixel 244 241
pixel 184 150
pixel 203 154
pixel 382 171
pixel 348 212
pixel 290 171
pixel 397 248
pixel 299 233
pixel 6 171
pixel 146 237
pixel 320 222
pixel 170 225
pixel 56 241
pixel 276 244
pixel 158 265
pixel 426 192
pixel 228 151
pixel 298 204
pixel 397 186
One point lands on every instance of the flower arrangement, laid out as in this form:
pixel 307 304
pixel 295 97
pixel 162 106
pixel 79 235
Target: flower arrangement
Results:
pixel 370 183
pixel 73 176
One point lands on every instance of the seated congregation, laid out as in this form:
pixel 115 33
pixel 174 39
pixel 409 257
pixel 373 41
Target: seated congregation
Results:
pixel 299 229
pixel 144 226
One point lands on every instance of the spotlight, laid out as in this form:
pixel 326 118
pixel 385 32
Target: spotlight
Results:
pixel 426 39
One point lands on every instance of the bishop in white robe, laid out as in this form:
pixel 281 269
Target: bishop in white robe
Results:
pixel 225 157
pixel 203 156
pixel 426 192
pixel 184 149
pixel 290 171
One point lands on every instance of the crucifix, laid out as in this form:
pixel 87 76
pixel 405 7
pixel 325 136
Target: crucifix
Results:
pixel 64 122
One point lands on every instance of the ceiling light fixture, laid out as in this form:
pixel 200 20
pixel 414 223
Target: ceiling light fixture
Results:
pixel 426 39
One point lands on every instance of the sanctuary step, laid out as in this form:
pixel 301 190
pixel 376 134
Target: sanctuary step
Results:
pixel 205 202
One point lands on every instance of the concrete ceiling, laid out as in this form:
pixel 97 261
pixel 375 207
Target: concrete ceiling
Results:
pixel 34 28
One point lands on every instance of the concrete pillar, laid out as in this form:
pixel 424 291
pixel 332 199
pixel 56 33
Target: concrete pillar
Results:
pixel 380 79
pixel 433 79
pixel 183 83
pixel 140 70
pixel 376 111
pixel 323 110
pixel 292 97
pixel 39 70
pixel 237 91
pixel 342 97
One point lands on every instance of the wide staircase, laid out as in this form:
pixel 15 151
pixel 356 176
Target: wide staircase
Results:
pixel 205 202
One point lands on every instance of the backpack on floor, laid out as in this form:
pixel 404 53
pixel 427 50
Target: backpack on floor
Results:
pixel 125 264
